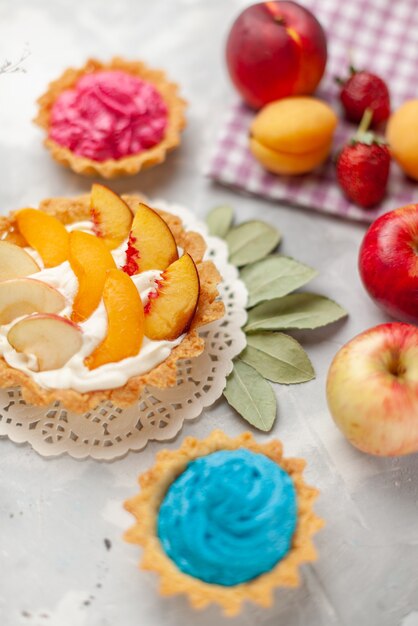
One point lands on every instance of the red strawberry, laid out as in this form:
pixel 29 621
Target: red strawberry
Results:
pixel 363 166
pixel 361 91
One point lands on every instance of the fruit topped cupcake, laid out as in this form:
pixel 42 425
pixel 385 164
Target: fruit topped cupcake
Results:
pixel 99 296
pixel 223 520
pixel 111 119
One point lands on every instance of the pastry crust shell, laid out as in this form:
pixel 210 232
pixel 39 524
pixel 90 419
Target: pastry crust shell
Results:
pixel 209 309
pixel 129 165
pixel 154 485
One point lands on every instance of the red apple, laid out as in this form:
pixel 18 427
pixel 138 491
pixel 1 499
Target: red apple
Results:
pixel 274 50
pixel 372 390
pixel 388 262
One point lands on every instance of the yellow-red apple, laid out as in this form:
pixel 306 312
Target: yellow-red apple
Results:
pixel 372 390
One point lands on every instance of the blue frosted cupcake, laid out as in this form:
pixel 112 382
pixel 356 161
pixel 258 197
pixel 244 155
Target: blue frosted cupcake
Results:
pixel 225 519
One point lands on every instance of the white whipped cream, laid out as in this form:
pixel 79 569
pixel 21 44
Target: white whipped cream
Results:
pixel 74 374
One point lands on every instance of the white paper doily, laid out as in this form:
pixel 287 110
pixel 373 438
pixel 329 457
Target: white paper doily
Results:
pixel 109 432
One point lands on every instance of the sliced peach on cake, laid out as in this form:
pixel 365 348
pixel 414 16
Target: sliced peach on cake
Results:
pixel 45 234
pixel 111 216
pixel 15 262
pixel 90 259
pixel 125 321
pixel 52 339
pixel 151 244
pixel 170 309
pixel 21 296
pixel 13 235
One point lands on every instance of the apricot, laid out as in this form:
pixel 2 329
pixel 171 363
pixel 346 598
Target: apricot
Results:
pixel 89 259
pixel 125 321
pixel 293 135
pixel 402 136
pixel 171 307
pixel 45 234
pixel 286 162
pixel 151 244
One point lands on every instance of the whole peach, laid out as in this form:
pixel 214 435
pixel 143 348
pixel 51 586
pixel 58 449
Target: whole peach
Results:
pixel 275 49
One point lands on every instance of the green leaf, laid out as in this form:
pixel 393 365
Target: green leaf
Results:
pixel 278 357
pixel 251 241
pixel 219 220
pixel 251 396
pixel 273 277
pixel 299 310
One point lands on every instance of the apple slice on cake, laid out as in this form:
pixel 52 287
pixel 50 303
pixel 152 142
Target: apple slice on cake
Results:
pixel 15 262
pixel 52 339
pixel 22 296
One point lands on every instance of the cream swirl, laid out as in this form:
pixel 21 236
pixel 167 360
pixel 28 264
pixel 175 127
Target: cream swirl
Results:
pixel 229 517
pixel 109 115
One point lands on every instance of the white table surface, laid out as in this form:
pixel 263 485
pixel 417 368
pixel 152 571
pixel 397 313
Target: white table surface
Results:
pixel 56 514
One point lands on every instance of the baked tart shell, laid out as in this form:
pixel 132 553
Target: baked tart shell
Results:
pixel 129 165
pixel 209 309
pixel 145 506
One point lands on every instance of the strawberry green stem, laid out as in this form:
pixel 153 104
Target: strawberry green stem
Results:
pixel 351 71
pixel 363 135
pixel 365 121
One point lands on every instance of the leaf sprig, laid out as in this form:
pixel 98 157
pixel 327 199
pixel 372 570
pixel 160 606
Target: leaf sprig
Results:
pixel 270 279
pixel 12 67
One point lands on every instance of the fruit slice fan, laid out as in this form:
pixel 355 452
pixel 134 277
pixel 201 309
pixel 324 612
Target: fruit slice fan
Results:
pixel 109 432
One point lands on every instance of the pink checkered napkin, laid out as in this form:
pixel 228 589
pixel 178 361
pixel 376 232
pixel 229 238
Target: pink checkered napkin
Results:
pixel 381 36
